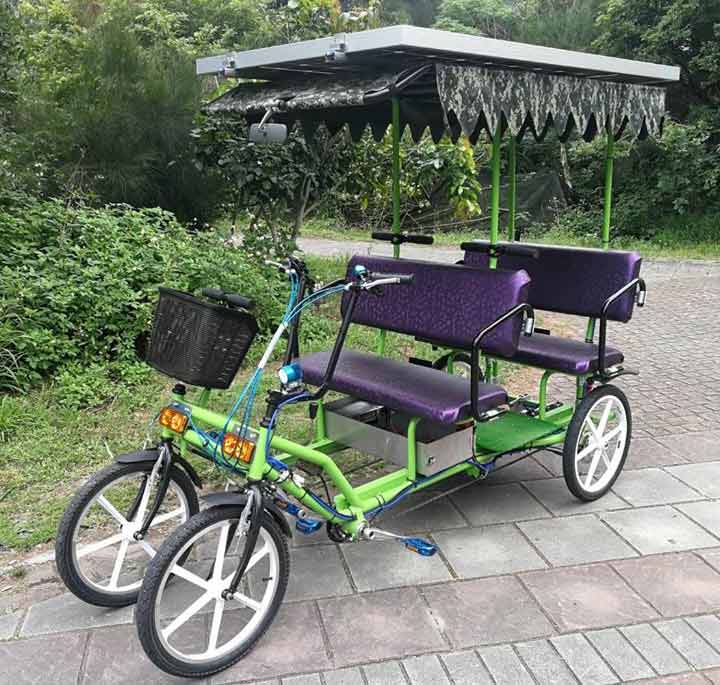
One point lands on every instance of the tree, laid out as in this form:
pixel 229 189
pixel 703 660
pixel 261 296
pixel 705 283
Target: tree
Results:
pixel 493 18
pixel 415 12
pixel 276 186
pixel 110 95
pixel 681 32
pixel 568 24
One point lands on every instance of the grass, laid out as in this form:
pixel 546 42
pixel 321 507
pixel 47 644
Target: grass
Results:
pixel 47 449
pixel 676 238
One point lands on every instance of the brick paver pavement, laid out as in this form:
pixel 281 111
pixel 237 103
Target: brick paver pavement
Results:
pixel 530 585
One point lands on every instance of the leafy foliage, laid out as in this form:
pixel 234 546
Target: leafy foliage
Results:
pixel 276 185
pixel 494 18
pixel 682 32
pixel 82 282
pixel 432 175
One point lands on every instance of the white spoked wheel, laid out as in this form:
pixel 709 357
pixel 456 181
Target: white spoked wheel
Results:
pixel 597 443
pixel 96 551
pixel 186 623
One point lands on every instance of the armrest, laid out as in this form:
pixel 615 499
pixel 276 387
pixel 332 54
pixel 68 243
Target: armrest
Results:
pixel 641 289
pixel 475 357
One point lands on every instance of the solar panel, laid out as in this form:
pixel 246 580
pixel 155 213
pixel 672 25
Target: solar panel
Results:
pixel 364 53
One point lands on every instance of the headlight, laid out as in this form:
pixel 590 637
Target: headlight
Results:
pixel 290 374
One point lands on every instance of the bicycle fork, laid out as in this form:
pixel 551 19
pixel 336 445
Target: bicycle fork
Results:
pixel 160 470
pixel 249 526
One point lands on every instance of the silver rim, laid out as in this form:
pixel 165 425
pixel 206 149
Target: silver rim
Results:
pixel 461 369
pixel 105 553
pixel 601 444
pixel 193 621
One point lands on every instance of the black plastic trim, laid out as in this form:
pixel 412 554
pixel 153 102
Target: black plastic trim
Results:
pixel 152 454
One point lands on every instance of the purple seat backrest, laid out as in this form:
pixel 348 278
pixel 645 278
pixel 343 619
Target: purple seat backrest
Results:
pixel 447 304
pixel 573 280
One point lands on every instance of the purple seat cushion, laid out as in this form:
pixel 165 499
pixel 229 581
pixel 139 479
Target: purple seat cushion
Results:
pixel 573 280
pixel 575 357
pixel 448 304
pixel 415 390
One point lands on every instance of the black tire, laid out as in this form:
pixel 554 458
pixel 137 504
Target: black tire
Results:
pixel 65 559
pixel 458 359
pixel 145 610
pixel 573 434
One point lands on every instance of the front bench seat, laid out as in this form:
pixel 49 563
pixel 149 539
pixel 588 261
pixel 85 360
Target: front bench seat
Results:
pixel 574 357
pixel 415 390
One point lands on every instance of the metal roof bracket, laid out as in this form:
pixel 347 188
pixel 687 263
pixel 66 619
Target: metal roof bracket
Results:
pixel 338 49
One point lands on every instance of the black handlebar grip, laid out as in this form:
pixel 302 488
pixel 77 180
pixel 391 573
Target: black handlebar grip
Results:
pixel 239 301
pixel 419 239
pixel 401 278
pixel 521 250
pixel 214 294
pixel 472 246
pixel 512 249
pixel 399 238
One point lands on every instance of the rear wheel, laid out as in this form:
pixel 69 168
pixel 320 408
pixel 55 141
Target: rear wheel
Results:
pixel 188 627
pixel 597 443
pixel 96 553
pixel 461 364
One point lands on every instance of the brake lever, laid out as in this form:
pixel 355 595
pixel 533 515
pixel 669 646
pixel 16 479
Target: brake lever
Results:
pixel 282 268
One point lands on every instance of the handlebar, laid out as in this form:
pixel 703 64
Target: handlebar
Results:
pixel 400 238
pixel 231 299
pixel 512 249
pixel 390 279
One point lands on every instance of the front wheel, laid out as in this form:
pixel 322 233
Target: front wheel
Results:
pixel 597 443
pixel 96 553
pixel 188 627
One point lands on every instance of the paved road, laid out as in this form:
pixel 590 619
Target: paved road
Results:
pixel 530 586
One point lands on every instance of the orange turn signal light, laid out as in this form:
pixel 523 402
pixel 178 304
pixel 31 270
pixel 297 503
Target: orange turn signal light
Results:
pixel 236 447
pixel 173 419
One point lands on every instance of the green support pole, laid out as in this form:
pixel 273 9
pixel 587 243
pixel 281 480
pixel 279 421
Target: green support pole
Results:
pixel 320 430
pixel 495 191
pixel 609 168
pixel 412 449
pixel 382 335
pixel 512 187
pixel 590 331
pixel 396 170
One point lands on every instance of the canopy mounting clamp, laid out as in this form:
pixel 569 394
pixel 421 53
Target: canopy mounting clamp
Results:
pixel 338 50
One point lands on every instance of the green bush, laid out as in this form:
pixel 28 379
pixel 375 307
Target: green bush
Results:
pixel 656 181
pixel 82 282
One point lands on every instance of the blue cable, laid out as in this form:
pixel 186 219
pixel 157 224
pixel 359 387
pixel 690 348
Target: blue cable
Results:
pixel 249 391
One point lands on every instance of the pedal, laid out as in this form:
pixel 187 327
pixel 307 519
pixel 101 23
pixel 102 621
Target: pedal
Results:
pixel 289 507
pixel 420 546
pixel 417 545
pixel 308 526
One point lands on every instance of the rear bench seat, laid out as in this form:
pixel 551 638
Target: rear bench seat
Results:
pixel 435 307
pixel 569 280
